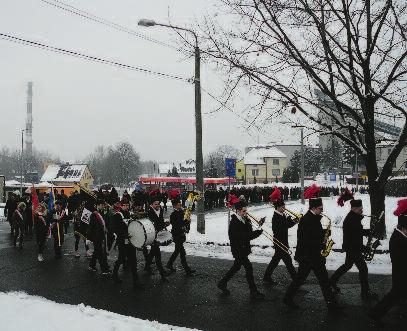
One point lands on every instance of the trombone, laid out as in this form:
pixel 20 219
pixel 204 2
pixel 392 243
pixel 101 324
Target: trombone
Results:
pixel 269 235
pixel 297 216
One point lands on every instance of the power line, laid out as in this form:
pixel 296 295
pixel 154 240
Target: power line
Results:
pixel 91 17
pixel 88 57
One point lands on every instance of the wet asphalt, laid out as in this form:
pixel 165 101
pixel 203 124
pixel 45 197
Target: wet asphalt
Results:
pixel 193 302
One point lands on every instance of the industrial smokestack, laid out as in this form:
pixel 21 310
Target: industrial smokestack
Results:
pixel 29 122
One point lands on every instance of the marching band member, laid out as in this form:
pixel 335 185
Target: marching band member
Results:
pixel 58 218
pixel 18 224
pixel 280 225
pixel 179 230
pixel 97 234
pixel 155 214
pixel 310 242
pixel 398 250
pixel 353 233
pixel 240 235
pixel 127 252
pixel 41 229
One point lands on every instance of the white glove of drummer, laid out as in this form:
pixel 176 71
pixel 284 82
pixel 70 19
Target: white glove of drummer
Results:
pixel 88 242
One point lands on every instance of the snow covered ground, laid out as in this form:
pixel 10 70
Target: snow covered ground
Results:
pixel 39 314
pixel 214 243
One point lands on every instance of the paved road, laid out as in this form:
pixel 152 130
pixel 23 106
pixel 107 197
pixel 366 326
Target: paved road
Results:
pixel 191 302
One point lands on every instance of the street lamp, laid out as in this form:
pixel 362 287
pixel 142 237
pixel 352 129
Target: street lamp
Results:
pixel 198 121
pixel 302 161
pixel 22 162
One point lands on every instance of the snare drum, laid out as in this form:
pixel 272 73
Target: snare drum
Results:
pixel 141 232
pixel 164 238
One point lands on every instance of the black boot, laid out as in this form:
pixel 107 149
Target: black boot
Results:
pixel 115 275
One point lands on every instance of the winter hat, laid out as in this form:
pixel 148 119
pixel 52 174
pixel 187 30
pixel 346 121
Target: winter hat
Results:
pixel 401 213
pixel 233 199
pixel 315 203
pixel 276 195
pixel 356 203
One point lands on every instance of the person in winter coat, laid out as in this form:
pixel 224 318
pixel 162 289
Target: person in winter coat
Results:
pixel 57 219
pixel 41 228
pixel 280 225
pixel 97 234
pixel 18 224
pixel 240 235
pixel 310 242
pixel 398 256
pixel 353 233
pixel 179 229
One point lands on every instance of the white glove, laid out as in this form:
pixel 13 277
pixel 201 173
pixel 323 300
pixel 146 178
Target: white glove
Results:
pixel 88 242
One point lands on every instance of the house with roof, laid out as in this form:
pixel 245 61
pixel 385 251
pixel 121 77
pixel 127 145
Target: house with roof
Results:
pixel 263 164
pixel 186 168
pixel 68 175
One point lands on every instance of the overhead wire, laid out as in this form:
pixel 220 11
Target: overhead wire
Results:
pixel 89 16
pixel 91 58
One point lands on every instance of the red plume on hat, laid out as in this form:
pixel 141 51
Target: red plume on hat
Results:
pixel 401 207
pixel 276 195
pixel 233 199
pixel 312 192
pixel 345 196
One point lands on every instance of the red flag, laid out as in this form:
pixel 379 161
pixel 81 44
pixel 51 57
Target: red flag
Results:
pixel 34 200
pixel 312 192
pixel 276 195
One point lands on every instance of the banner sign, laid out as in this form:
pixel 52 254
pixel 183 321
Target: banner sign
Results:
pixel 230 165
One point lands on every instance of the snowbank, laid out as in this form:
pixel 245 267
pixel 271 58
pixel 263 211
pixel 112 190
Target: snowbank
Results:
pixel 20 311
pixel 215 242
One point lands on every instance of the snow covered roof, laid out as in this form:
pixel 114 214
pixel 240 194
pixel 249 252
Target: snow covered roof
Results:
pixel 183 167
pixel 64 173
pixel 258 154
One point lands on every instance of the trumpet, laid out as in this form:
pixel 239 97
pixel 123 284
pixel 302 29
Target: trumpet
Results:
pixel 269 235
pixel 297 216
pixel 328 242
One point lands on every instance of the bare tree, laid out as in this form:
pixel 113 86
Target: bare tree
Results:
pixel 351 53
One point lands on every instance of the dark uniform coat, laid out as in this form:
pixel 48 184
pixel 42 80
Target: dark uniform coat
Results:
pixel 310 237
pixel 353 232
pixel 158 221
pixel 398 255
pixel 97 228
pixel 280 225
pixel 178 229
pixel 240 234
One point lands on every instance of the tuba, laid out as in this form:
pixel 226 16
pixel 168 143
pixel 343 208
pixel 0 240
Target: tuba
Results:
pixel 328 242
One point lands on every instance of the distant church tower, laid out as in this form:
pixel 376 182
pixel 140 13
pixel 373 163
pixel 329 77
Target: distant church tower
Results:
pixel 29 122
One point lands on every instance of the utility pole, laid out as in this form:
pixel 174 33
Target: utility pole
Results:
pixel 198 122
pixel 22 163
pixel 302 166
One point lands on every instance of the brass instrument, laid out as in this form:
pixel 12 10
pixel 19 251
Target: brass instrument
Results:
pixel 297 216
pixel 269 235
pixel 328 242
pixel 370 248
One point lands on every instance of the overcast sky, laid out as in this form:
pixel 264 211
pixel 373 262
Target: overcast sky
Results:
pixel 78 104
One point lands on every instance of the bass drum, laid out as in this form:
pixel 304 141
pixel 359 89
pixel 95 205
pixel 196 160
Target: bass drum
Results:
pixel 141 232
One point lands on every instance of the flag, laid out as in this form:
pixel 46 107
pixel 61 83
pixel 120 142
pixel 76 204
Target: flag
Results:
pixel 51 200
pixel 34 200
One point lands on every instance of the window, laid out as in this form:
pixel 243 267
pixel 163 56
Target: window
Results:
pixel 239 170
pixel 276 161
pixel 275 172
pixel 255 172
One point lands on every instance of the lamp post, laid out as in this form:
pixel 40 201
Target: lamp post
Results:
pixel 198 121
pixel 22 163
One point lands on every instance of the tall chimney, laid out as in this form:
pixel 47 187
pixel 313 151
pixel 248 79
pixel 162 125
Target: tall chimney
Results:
pixel 29 122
